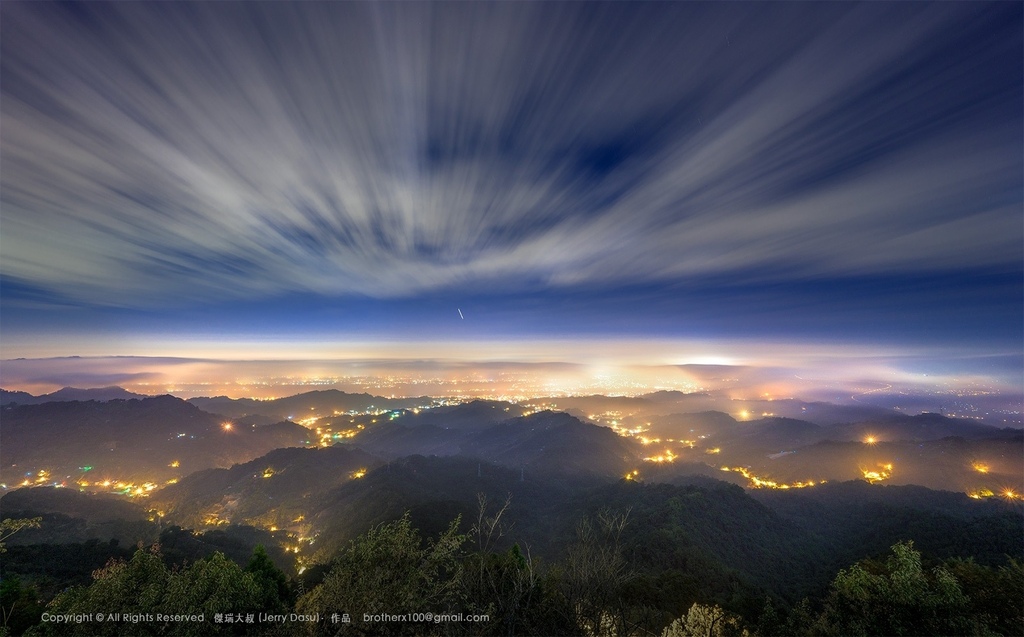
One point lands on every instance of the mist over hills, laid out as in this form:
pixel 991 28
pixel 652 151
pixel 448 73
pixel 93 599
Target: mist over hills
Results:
pixel 271 491
pixel 140 440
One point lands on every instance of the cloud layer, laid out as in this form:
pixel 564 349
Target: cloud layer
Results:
pixel 177 153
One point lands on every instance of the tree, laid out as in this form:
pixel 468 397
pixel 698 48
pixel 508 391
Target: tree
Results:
pixel 996 594
pixel 145 586
pixel 705 621
pixel 210 586
pixel 10 526
pixel 595 572
pixel 19 604
pixel 133 587
pixel 274 594
pixel 387 570
pixel 899 598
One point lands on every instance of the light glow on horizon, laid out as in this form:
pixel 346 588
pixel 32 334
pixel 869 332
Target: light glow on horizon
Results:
pixel 771 373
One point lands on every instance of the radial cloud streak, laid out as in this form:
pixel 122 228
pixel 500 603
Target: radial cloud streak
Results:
pixel 177 153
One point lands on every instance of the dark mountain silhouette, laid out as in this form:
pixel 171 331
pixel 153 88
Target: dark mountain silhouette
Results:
pixel 98 508
pixel 768 436
pixel 672 396
pixel 20 397
pixel 70 516
pixel 822 413
pixel 314 403
pixel 926 426
pixel 474 415
pixel 555 442
pixel 551 442
pixel 393 440
pixel 436 490
pixel 691 426
pixel 66 394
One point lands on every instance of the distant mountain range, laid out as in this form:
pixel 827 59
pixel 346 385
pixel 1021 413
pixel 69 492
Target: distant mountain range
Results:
pixel 101 394
pixel 129 437
pixel 301 405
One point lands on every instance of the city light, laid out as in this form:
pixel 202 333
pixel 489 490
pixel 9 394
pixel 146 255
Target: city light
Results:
pixel 667 456
pixel 757 482
pixel 882 472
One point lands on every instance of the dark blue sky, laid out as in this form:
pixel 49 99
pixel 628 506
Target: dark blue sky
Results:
pixel 827 172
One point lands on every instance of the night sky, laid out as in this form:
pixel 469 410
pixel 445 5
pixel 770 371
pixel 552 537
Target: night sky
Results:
pixel 178 178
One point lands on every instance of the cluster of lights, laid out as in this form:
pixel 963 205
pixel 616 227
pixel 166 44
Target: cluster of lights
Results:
pixel 632 475
pixel 757 482
pixel 42 476
pixel 1009 494
pixel 126 488
pixel 327 436
pixel 626 431
pixel 358 473
pixel 636 434
pixel 882 472
pixel 668 456
pixel 214 519
pixel 129 488
pixel 531 409
pixel 980 467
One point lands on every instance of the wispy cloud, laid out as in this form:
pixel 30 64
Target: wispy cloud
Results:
pixel 160 154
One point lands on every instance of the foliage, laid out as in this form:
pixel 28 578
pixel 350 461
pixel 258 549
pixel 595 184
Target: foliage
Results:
pixel 996 594
pixel 136 586
pixel 273 593
pixel 144 585
pixel 20 606
pixel 387 570
pixel 897 598
pixel 705 621
pixel 9 527
pixel 596 573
